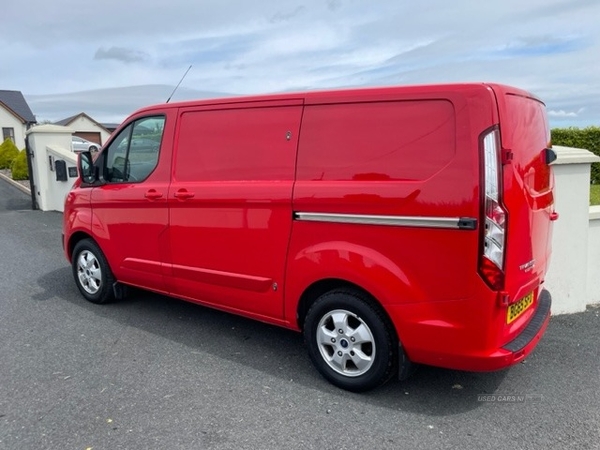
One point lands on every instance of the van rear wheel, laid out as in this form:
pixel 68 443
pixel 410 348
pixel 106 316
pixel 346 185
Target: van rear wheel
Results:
pixel 350 341
pixel 92 273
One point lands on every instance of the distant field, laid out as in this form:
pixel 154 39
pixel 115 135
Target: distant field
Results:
pixel 595 194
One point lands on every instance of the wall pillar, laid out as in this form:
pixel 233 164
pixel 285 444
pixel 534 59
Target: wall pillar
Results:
pixel 47 143
pixel 568 274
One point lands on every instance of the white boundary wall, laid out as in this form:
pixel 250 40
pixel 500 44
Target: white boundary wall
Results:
pixel 50 143
pixel 593 268
pixel 573 277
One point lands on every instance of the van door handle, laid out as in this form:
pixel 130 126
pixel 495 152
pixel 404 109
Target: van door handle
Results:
pixel 153 194
pixel 183 194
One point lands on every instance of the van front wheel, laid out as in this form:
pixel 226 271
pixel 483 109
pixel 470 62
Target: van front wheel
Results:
pixel 92 273
pixel 350 341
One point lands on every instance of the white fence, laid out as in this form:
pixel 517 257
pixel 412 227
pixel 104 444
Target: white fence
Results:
pixel 574 275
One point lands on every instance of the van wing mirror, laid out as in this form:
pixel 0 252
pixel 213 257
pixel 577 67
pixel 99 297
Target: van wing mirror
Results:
pixel 86 167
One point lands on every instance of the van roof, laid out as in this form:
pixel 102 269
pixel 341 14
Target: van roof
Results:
pixel 347 94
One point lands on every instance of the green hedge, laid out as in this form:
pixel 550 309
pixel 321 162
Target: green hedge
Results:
pixel 19 168
pixel 588 138
pixel 595 194
pixel 8 152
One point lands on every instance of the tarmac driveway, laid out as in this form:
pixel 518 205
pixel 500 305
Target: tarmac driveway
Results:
pixel 156 373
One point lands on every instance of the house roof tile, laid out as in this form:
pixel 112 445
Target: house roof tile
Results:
pixel 17 104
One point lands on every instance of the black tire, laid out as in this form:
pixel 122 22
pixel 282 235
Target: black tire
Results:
pixel 92 274
pixel 93 148
pixel 332 350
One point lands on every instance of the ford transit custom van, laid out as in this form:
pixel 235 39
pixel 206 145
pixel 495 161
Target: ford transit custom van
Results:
pixel 392 226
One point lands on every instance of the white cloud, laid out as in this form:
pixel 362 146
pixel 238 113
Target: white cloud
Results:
pixel 285 16
pixel 126 55
pixel 562 113
pixel 66 46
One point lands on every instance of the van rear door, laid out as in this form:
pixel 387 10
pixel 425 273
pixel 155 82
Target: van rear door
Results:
pixel 527 192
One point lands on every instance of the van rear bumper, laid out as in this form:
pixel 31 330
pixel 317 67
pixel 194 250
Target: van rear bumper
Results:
pixel 535 329
pixel 509 354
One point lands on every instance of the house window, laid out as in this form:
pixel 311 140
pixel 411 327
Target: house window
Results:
pixel 8 133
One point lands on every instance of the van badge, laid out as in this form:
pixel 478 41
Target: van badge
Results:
pixel 527 266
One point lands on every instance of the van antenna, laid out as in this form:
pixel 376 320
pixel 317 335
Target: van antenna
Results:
pixel 186 72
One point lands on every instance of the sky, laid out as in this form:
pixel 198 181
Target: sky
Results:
pixel 111 57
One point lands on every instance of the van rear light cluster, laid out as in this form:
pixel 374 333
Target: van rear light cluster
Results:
pixel 494 233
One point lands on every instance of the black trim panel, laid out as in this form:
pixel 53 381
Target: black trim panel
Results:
pixel 467 223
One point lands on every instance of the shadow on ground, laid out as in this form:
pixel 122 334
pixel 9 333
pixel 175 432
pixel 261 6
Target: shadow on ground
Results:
pixel 430 391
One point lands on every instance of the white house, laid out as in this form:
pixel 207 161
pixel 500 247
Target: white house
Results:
pixel 15 117
pixel 85 127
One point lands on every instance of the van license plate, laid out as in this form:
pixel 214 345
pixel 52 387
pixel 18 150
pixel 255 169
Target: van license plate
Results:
pixel 516 309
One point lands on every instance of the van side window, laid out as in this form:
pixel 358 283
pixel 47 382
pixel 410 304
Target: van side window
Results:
pixel 133 154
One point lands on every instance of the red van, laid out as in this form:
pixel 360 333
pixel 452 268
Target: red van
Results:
pixel 391 226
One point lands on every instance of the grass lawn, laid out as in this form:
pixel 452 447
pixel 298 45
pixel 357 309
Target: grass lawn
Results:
pixel 595 194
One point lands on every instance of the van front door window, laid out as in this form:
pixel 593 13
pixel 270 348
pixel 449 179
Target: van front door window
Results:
pixel 133 155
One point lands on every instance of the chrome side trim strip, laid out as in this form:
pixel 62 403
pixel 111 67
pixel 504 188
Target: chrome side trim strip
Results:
pixel 458 223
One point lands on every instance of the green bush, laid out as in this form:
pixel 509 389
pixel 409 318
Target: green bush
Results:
pixel 595 194
pixel 19 167
pixel 8 152
pixel 588 138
